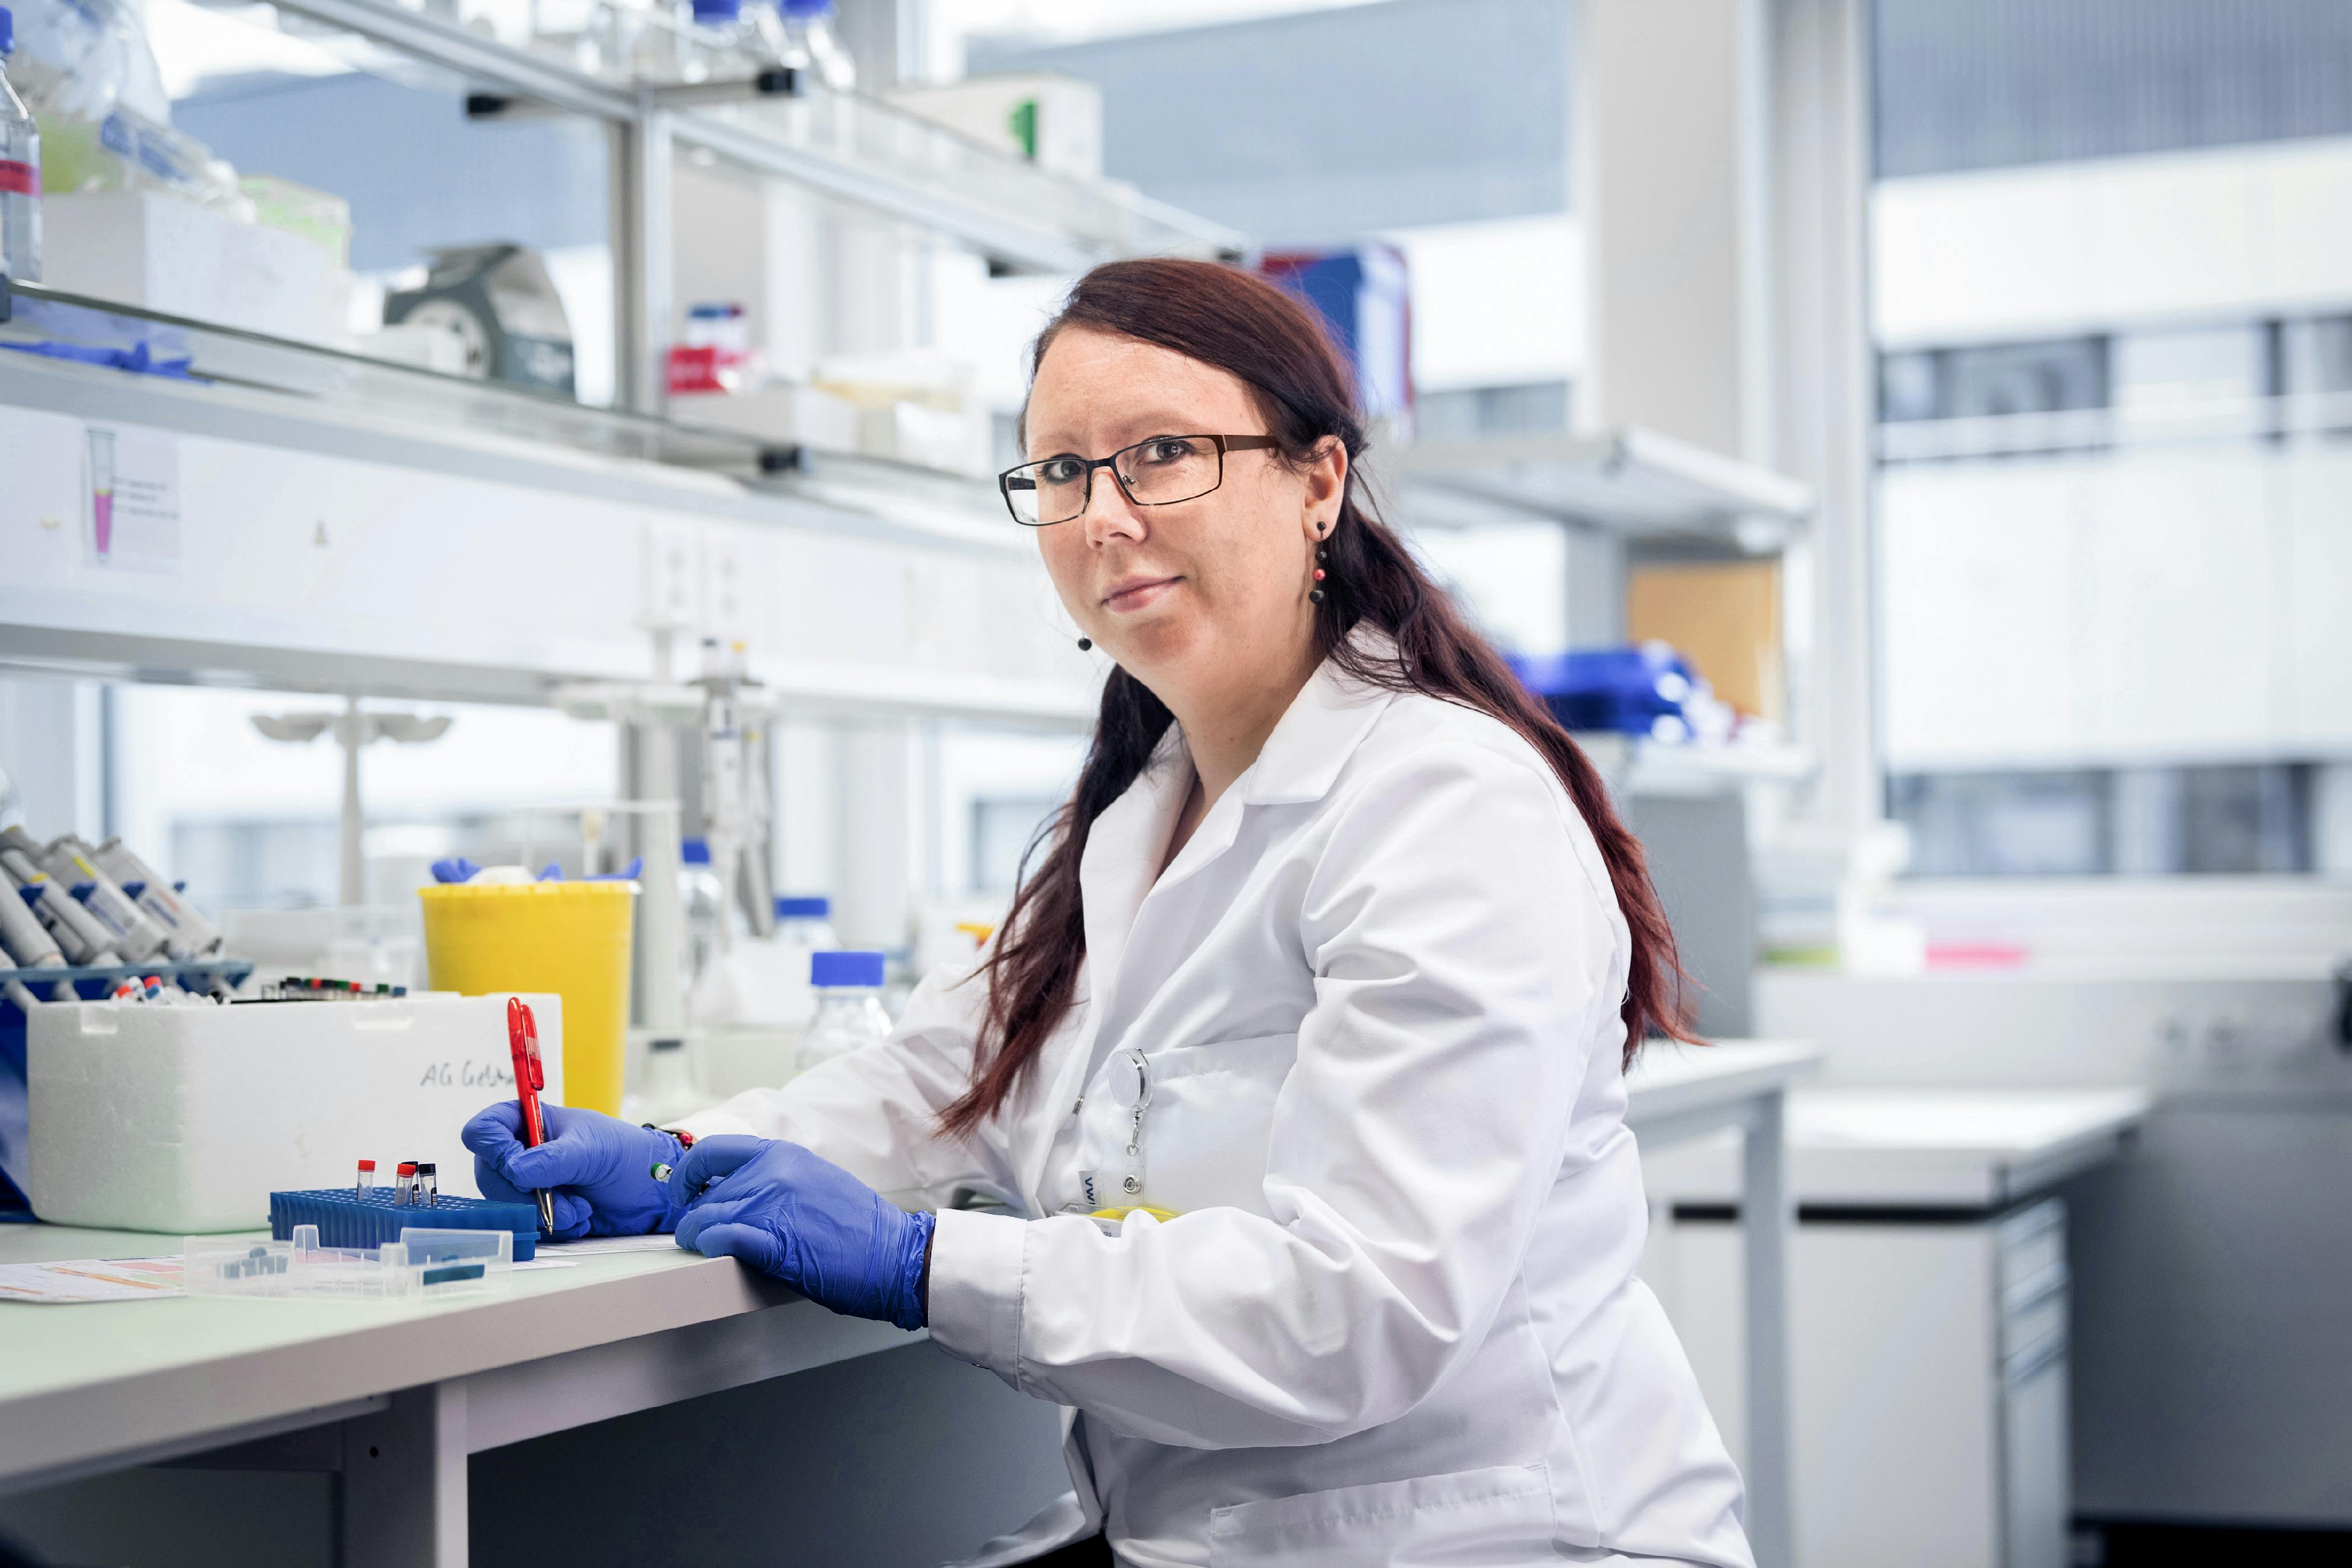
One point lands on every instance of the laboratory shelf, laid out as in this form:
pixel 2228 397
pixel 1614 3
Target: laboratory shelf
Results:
pixel 1637 766
pixel 229 381
pixel 852 146
pixel 1631 481
pixel 194 352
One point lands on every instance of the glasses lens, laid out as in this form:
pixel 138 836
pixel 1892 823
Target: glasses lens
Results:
pixel 1051 491
pixel 1169 468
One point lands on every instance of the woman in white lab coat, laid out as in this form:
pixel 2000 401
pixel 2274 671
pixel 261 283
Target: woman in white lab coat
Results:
pixel 1300 1053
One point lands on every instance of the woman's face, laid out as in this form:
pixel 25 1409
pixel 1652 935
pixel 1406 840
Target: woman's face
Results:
pixel 1200 597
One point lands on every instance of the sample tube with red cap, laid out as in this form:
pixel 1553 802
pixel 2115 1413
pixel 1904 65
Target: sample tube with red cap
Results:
pixel 366 1183
pixel 404 1184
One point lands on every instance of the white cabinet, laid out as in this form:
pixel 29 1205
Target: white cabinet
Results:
pixel 1930 1363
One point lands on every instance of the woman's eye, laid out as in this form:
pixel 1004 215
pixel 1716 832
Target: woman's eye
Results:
pixel 1170 451
pixel 1059 471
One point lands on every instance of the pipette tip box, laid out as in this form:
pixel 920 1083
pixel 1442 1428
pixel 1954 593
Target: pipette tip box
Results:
pixel 346 1218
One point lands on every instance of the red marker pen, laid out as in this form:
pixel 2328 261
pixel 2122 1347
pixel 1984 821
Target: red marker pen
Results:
pixel 531 1077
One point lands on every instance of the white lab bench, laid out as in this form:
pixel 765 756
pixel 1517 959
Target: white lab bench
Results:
pixel 1928 1291
pixel 397 1397
pixel 394 1397
pixel 1678 1095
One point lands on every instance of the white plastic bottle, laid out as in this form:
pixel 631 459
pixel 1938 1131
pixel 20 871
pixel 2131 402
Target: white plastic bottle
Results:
pixel 849 1012
pixel 20 172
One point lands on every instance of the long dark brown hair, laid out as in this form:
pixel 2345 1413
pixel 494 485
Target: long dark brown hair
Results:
pixel 1242 324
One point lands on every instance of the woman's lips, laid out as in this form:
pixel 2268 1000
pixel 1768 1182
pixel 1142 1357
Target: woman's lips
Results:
pixel 1137 594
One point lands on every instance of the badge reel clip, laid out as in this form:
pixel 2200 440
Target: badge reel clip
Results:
pixel 1118 1188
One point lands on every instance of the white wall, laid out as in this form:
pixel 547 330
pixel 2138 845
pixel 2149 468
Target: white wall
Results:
pixel 2068 247
pixel 2162 605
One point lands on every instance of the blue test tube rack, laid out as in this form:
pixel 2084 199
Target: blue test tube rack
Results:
pixel 349 1219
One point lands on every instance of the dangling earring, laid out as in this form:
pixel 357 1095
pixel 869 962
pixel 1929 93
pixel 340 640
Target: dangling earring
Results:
pixel 1086 645
pixel 1314 595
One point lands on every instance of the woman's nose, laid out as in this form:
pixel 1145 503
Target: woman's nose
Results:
pixel 1109 514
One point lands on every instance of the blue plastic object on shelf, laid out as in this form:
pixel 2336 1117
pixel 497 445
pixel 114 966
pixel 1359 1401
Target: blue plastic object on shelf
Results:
pixel 1626 689
pixel 347 1218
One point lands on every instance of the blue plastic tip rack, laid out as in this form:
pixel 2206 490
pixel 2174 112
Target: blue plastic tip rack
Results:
pixel 349 1219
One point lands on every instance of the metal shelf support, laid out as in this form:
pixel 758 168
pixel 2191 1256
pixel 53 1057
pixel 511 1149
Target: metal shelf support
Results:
pixel 644 281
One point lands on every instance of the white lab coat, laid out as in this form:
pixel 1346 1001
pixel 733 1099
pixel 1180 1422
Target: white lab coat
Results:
pixel 1396 1320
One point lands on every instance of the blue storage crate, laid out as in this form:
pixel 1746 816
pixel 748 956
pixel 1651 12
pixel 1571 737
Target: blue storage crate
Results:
pixel 347 1218
pixel 1624 690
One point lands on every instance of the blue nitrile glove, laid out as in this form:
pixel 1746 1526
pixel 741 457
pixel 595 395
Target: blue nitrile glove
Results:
pixel 808 1222
pixel 599 1167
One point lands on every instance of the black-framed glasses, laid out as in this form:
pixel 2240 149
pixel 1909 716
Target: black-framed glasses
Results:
pixel 1159 471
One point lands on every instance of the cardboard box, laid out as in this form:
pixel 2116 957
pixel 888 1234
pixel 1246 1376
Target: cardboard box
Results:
pixel 1725 618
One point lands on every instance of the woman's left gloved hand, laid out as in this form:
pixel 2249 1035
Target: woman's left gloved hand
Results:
pixel 808 1222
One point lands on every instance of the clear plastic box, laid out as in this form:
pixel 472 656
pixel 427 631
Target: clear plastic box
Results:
pixel 422 1265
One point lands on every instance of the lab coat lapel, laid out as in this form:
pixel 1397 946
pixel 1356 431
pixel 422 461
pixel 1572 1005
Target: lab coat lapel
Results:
pixel 1122 857
pixel 1299 764
pixel 1123 851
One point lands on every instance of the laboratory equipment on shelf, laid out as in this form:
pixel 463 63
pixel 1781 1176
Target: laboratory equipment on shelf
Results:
pixel 20 172
pixel 190 934
pixel 497 304
pixel 128 932
pixel 809 36
pixel 352 731
pixel 704 902
pixel 75 931
pixel 849 1012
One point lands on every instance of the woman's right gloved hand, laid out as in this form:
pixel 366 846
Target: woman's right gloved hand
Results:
pixel 599 1168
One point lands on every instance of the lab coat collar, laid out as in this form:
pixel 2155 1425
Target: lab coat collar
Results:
pixel 1324 725
pixel 1123 852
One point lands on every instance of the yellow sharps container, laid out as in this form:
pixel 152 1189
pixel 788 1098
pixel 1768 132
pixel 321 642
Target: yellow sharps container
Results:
pixel 570 938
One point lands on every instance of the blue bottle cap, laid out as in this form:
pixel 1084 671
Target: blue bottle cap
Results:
pixel 709 11
pixel 807 10
pixel 816 908
pixel 846 968
pixel 695 851
pixel 7 32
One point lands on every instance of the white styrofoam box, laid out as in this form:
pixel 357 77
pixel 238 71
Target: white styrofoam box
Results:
pixel 1069 117
pixel 185 1120
pixel 781 411
pixel 163 253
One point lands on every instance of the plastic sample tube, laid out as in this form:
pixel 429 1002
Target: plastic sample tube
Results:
pixel 188 934
pixel 366 1182
pixel 404 1189
pixel 428 1183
